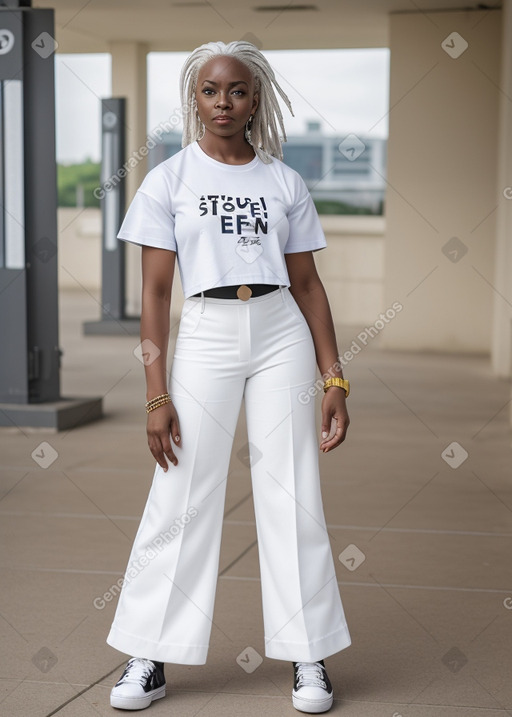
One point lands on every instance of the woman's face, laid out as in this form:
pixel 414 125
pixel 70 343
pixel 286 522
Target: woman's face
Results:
pixel 225 96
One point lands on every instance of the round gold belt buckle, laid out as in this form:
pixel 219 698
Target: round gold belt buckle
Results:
pixel 244 292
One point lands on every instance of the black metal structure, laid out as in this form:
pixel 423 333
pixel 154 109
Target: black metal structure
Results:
pixel 29 327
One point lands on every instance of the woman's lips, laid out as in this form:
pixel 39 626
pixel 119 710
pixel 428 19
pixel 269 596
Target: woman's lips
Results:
pixel 222 119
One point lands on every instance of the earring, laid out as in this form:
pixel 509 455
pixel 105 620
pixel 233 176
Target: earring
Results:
pixel 248 128
pixel 202 130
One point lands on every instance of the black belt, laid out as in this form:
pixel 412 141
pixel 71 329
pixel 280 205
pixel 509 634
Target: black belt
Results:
pixel 240 291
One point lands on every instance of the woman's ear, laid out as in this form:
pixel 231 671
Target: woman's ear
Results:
pixel 255 102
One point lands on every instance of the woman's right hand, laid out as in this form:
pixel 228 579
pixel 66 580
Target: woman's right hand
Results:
pixel 162 423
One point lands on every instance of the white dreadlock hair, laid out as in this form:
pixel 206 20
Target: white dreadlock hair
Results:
pixel 265 137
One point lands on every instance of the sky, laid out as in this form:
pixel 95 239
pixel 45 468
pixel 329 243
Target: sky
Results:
pixel 347 91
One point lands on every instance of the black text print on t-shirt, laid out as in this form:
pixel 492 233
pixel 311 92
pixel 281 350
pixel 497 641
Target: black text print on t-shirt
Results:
pixel 241 217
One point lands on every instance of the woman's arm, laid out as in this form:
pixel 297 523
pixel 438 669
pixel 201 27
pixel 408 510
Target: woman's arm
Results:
pixel 157 278
pixel 309 293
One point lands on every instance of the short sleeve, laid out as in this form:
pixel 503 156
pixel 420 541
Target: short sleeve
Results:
pixel 148 222
pixel 306 233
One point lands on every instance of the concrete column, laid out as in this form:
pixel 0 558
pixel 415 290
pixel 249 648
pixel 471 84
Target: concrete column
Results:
pixel 129 79
pixel 442 196
pixel 502 327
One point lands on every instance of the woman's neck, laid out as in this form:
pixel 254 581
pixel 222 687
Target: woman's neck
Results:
pixel 229 150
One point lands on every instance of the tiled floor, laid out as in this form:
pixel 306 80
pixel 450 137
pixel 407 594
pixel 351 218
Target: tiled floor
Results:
pixel 429 608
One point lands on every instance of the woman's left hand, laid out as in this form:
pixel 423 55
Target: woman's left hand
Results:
pixel 334 406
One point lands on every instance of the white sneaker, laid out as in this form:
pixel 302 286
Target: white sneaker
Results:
pixel 141 682
pixel 312 690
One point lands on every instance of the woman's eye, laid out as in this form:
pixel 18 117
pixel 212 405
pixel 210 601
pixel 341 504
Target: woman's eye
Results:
pixel 208 91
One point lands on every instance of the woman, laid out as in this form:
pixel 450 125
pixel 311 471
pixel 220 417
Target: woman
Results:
pixel 254 324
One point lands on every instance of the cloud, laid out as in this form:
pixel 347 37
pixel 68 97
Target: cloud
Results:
pixel 346 90
pixel 81 82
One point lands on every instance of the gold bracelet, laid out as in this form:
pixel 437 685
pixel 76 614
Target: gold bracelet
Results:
pixel 157 398
pixel 157 405
pixel 340 382
pixel 157 402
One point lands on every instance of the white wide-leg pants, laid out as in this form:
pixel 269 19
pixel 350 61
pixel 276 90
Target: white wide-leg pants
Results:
pixel 226 349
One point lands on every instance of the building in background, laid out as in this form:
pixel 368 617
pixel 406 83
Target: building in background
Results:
pixel 345 174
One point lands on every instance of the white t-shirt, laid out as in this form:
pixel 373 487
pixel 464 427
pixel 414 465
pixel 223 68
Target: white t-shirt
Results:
pixel 228 224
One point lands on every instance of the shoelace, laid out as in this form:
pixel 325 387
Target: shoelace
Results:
pixel 310 673
pixel 137 669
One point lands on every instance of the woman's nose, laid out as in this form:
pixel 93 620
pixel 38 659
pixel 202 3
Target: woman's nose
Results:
pixel 223 100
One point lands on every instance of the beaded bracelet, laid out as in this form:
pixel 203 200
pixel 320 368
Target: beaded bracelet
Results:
pixel 157 402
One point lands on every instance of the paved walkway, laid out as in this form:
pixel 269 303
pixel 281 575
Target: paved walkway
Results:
pixel 429 607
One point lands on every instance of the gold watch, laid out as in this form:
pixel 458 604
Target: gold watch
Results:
pixel 341 382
